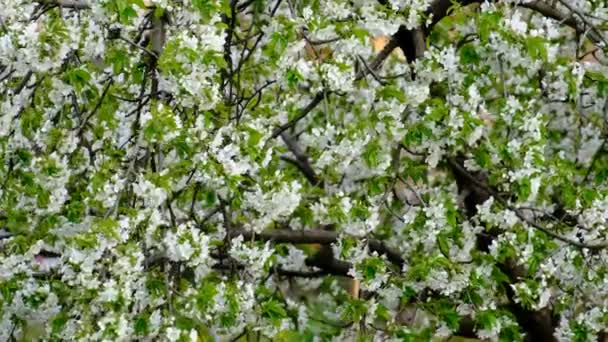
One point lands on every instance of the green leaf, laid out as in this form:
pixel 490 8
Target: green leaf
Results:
pixel 568 194
pixel 581 332
pixel 451 213
pixel 486 319
pixel 383 312
pixel 487 23
pixel 524 189
pixel 601 175
pixel 128 13
pixel 206 8
pixel 474 297
pixel 273 310
pixel 354 310
pixel 438 110
pixel 58 322
pixel 371 153
pixel 499 277
pixel 139 3
pixel 205 295
pixel 468 54
pixel 389 92
pixel 184 323
pixel 43 199
pixel 442 243
pixel 418 173
pixel 108 227
pixel 450 316
pixel 291 336
pixel 24 155
pixel 31 121
pixel 536 47
pixel 370 267
pixel 141 326
pixel 119 59
pixel 86 241
pixel 483 157
pixel 156 286
pixel 78 78
pixel 416 134
pixel 17 221
pixel 293 77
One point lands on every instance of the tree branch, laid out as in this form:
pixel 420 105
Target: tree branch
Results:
pixel 439 9
pixel 75 4
pixel 457 167
pixel 232 265
pixel 373 65
pixel 311 236
pixel 310 106
pixel 301 161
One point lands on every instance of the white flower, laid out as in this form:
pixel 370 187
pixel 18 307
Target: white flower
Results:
pixel 338 80
pixel 416 94
pixel 273 205
pixel 449 59
pixel 173 334
pixel 178 245
pixel 534 186
pixel 231 159
pixel 153 196
pixel 252 257
pixel 294 260
pixel 517 24
pixel 434 156
pixel 193 335
pixel 110 292
pixel 533 125
pixel 543 299
pixel 307 13
pixel 443 331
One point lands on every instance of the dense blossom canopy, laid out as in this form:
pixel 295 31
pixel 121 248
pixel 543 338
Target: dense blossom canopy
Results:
pixel 192 170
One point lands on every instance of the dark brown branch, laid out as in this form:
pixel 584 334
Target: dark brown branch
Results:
pixel 461 170
pixel 233 265
pixel 301 274
pixel 381 57
pixel 305 169
pixel 323 41
pixel 225 262
pixel 538 324
pixel 439 9
pixel 311 105
pixel 372 72
pixel 308 236
pixel 596 35
pixel 97 105
pixel 75 4
pixel 311 236
pixel 551 12
pixel 374 65
pixel 329 264
pixel 23 83
pixel 301 161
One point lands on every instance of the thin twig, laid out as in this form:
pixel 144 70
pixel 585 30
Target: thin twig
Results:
pixel 520 213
